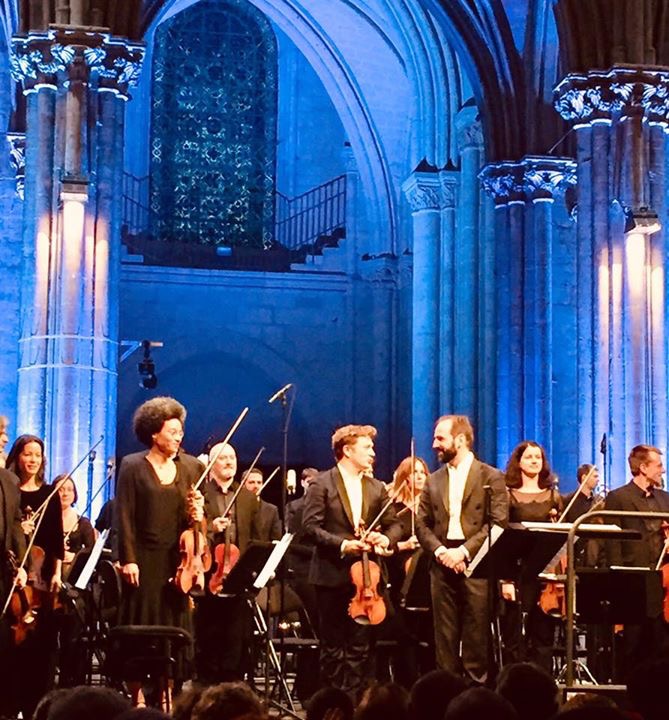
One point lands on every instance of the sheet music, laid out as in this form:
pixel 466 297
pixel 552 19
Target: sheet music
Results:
pixel 495 534
pixel 273 561
pixel 91 563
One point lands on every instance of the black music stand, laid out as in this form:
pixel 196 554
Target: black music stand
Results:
pixel 242 581
pixel 514 548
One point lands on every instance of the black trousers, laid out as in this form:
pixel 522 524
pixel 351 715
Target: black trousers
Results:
pixel 223 633
pixel 345 645
pixel 460 610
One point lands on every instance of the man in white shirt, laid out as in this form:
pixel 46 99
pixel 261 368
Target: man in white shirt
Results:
pixel 452 524
pixel 340 501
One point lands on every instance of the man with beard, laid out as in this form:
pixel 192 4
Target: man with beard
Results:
pixel 451 525
pixel 223 623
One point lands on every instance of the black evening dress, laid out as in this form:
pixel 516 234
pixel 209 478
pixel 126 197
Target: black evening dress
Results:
pixel 151 517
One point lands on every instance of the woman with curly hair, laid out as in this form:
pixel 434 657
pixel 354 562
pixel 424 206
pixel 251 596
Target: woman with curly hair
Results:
pixel 532 497
pixel 152 512
pixel 152 509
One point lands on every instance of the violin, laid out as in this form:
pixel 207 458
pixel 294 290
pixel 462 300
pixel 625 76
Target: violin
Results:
pixel 195 555
pixel 553 598
pixel 226 555
pixel 367 607
pixel 23 608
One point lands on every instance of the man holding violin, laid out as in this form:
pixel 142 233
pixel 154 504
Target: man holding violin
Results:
pixel 339 503
pixel 223 623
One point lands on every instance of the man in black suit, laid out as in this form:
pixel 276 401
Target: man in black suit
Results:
pixel 451 525
pixel 643 493
pixel 223 624
pixel 12 542
pixel 338 503
pixel 268 522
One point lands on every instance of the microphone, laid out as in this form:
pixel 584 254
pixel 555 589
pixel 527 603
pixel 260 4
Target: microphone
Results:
pixel 291 481
pixel 281 392
pixel 603 445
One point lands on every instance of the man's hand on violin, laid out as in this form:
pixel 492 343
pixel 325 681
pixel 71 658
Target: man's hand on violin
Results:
pixel 354 547
pixel 56 582
pixel 379 542
pixel 220 524
pixel 130 572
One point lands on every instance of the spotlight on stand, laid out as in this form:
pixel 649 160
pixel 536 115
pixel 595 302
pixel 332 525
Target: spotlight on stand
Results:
pixel 147 369
pixel 641 221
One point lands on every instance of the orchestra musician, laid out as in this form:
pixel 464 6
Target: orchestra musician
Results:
pixel 451 525
pixel 642 493
pixel 338 502
pixel 402 626
pixel 39 650
pixel 268 523
pixel 223 624
pixel 532 497
pixel 78 533
pixel 12 544
pixel 154 505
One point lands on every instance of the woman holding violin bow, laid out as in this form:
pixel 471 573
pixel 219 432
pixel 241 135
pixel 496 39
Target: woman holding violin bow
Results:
pixel 41 517
pixel 154 505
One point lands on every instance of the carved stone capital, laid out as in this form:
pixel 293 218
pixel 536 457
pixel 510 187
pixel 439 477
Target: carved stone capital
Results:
pixel 433 190
pixel 468 128
pixel 532 178
pixel 60 56
pixel 610 95
pixel 17 159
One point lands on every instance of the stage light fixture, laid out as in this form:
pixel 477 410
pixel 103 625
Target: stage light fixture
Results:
pixel 641 221
pixel 147 368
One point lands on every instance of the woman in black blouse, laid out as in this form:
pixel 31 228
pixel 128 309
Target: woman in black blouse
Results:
pixel 78 533
pixel 532 497
pixel 38 652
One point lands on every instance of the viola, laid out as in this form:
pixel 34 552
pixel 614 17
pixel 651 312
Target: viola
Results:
pixel 367 607
pixel 195 556
pixel 553 598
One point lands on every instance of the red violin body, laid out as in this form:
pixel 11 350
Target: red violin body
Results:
pixel 195 561
pixel 367 606
pixel 226 556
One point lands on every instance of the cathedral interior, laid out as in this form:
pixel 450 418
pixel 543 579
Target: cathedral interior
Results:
pixel 403 208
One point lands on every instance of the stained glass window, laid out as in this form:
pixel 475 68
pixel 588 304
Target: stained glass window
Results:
pixel 213 126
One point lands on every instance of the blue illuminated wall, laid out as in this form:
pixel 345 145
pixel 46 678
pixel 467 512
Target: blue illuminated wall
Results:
pixel 10 255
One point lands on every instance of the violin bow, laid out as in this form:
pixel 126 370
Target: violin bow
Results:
pixel 89 505
pixel 42 513
pixel 272 474
pixel 579 490
pixel 227 510
pixel 413 486
pixel 221 445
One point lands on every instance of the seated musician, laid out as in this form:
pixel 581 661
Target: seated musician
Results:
pixel 339 501
pixel 223 624
pixel 78 533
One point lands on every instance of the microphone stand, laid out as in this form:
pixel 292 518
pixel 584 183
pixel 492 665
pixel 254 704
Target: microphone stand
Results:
pixel 603 449
pixel 287 405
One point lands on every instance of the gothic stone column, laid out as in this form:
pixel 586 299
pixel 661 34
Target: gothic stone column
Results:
pixel 621 118
pixel 76 82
